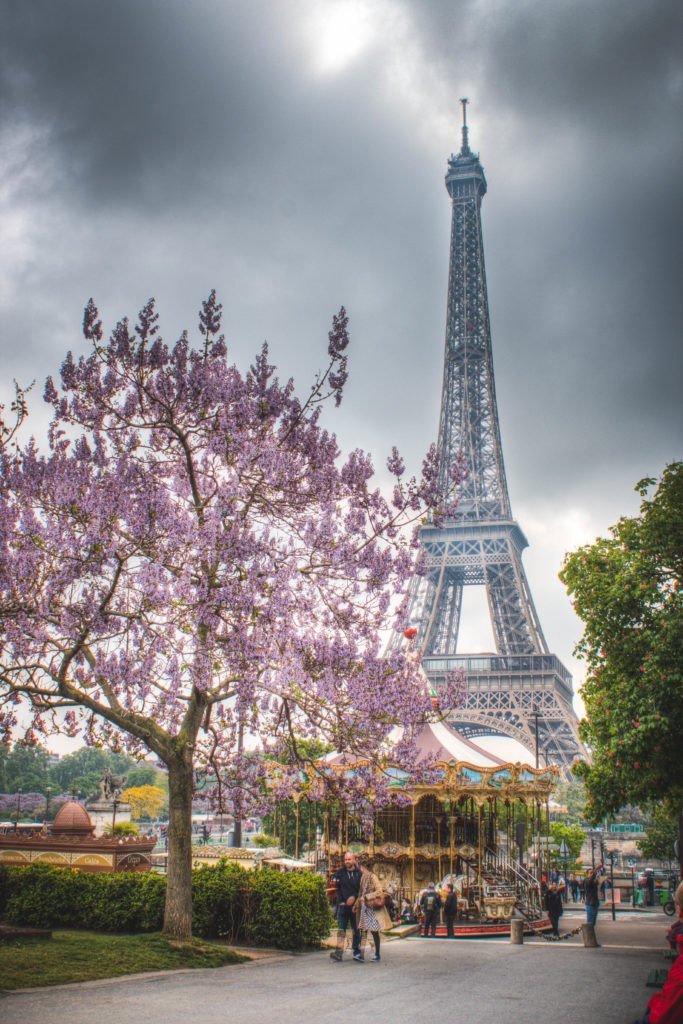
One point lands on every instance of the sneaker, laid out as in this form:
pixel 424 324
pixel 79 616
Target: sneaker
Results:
pixel 335 956
pixel 375 958
pixel 359 957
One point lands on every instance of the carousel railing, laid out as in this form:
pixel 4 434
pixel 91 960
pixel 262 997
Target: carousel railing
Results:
pixel 526 886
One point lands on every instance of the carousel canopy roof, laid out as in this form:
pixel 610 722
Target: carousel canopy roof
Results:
pixel 447 744
pixel 440 741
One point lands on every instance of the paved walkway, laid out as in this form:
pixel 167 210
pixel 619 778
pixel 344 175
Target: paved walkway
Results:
pixel 486 981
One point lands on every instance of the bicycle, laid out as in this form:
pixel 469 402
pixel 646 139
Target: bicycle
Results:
pixel 667 902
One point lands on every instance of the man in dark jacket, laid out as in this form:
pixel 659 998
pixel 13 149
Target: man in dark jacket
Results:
pixel 592 890
pixel 347 884
pixel 450 909
pixel 431 904
pixel 553 904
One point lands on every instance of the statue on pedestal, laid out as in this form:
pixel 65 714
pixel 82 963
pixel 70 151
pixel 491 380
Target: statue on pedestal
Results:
pixel 112 786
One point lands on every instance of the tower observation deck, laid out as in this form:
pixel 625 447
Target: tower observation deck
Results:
pixel 521 688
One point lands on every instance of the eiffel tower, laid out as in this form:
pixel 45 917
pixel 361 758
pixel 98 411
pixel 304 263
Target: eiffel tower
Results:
pixel 522 690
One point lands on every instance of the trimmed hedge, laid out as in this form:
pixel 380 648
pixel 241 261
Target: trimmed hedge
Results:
pixel 263 908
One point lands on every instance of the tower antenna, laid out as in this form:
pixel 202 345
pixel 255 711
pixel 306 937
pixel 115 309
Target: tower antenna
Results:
pixel 465 144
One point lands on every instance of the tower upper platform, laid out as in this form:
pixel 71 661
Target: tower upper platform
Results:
pixel 465 175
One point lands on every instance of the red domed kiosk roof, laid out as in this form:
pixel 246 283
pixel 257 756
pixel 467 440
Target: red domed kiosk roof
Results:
pixel 72 819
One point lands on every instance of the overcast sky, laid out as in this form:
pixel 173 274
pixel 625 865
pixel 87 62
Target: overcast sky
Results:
pixel 291 154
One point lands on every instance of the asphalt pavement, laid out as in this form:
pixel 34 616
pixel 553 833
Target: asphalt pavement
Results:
pixel 486 980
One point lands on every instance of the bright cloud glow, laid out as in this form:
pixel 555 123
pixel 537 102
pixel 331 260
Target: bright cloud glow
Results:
pixel 339 31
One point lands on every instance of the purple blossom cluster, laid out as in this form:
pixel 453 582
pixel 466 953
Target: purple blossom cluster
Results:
pixel 192 561
pixel 30 802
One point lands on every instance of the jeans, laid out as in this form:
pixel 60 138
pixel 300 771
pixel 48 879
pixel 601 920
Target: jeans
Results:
pixel 591 914
pixel 346 917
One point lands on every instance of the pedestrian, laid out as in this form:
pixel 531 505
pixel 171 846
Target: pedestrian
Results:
pixel 450 909
pixel 592 894
pixel 431 904
pixel 347 883
pixel 574 886
pixel 373 915
pixel 553 904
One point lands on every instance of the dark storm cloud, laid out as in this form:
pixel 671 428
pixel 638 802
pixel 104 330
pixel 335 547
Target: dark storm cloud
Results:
pixel 165 147
pixel 137 98
pixel 582 103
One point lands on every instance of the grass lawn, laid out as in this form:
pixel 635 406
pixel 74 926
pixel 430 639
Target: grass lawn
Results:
pixel 84 956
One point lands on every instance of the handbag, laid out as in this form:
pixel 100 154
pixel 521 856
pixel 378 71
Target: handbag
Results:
pixel 376 899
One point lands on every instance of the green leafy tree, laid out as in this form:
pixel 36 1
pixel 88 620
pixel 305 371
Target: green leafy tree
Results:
pixel 573 835
pixel 659 839
pixel 627 589
pixel 146 775
pixel 27 768
pixel 83 769
pixel 282 824
pixel 572 795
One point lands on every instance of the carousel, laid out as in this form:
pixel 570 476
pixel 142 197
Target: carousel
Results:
pixel 471 825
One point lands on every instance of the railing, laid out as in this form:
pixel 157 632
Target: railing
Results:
pixel 519 664
pixel 526 886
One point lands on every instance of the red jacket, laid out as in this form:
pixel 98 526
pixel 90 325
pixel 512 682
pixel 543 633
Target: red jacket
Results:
pixel 666 1007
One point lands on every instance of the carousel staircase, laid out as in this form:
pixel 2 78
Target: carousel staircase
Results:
pixel 507 881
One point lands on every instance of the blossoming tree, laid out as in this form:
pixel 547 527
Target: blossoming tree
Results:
pixel 192 562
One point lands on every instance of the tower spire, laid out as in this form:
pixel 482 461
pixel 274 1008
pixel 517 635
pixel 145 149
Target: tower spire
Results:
pixel 465 145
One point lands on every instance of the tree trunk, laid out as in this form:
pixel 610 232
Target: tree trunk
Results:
pixel 178 909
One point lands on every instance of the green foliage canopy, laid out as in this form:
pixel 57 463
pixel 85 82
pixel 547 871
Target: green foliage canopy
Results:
pixel 25 766
pixel 573 835
pixel 659 839
pixel 627 590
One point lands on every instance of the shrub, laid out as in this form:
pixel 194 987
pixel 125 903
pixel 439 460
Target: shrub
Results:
pixel 222 901
pixel 263 840
pixel 123 828
pixel 45 897
pixel 4 887
pixel 264 907
pixel 125 902
pixel 291 910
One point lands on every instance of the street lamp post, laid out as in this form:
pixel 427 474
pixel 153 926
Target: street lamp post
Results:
pixel 113 820
pixel 535 714
pixel 48 790
pixel 18 814
pixel 612 854
pixel 564 854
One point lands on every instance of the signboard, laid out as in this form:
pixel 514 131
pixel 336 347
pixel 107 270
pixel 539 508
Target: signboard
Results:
pixel 547 844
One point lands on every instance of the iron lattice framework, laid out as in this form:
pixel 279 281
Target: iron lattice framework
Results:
pixel 522 687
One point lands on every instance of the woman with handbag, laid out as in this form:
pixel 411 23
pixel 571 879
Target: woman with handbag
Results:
pixel 373 915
